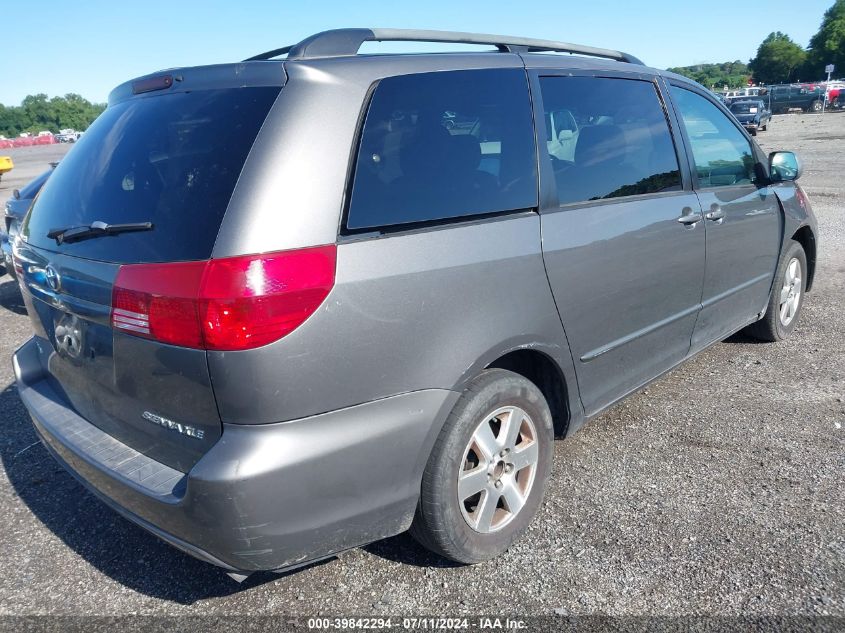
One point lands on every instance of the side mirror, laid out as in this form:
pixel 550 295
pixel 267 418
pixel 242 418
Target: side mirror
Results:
pixel 785 166
pixel 16 194
pixel 565 135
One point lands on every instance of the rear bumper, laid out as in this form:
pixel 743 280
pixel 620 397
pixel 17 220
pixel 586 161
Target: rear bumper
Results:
pixel 264 497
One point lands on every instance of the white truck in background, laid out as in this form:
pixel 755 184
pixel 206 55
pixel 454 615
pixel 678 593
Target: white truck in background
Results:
pixel 68 135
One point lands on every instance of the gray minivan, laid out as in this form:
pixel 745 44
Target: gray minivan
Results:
pixel 287 307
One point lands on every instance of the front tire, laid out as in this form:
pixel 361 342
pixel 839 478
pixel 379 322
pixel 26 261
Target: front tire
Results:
pixel 787 297
pixel 816 106
pixel 488 470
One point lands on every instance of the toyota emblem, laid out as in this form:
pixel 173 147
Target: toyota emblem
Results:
pixel 53 279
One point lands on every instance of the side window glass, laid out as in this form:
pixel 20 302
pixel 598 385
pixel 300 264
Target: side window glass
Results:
pixel 607 138
pixel 444 145
pixel 723 156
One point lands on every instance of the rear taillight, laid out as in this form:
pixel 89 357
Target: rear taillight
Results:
pixel 159 301
pixel 234 303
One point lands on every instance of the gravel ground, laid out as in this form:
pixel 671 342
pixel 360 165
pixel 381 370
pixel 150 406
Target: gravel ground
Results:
pixel 29 162
pixel 718 490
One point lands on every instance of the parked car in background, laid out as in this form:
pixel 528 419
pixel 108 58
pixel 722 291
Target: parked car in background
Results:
pixel 68 136
pixel 743 93
pixel 6 165
pixel 14 211
pixel 793 97
pixel 439 298
pixel 836 96
pixel 754 114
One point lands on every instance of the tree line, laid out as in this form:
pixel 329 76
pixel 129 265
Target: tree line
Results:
pixel 730 74
pixel 780 60
pixel 38 112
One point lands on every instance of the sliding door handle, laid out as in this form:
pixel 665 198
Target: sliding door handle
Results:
pixel 716 214
pixel 689 217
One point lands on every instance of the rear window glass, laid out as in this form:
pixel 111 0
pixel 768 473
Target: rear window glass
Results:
pixel 444 145
pixel 745 107
pixel 170 159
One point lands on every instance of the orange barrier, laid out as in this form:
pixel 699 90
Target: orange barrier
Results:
pixel 27 141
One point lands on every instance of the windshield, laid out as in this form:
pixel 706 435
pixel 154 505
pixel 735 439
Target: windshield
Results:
pixel 171 159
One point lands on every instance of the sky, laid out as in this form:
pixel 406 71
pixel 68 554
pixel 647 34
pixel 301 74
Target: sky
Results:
pixel 90 46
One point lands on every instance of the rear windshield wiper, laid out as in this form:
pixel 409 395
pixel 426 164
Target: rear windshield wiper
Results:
pixel 95 229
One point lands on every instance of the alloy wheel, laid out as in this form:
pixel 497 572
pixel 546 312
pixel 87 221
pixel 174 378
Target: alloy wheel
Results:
pixel 498 469
pixel 790 292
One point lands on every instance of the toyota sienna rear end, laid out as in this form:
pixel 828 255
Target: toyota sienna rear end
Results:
pixel 179 270
pixel 127 302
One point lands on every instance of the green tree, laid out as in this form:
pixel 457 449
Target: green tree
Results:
pixel 731 74
pixel 38 112
pixel 778 60
pixel 828 45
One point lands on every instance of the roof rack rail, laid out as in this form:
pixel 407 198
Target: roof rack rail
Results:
pixel 347 42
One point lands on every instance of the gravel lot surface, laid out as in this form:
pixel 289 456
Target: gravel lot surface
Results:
pixel 29 162
pixel 719 489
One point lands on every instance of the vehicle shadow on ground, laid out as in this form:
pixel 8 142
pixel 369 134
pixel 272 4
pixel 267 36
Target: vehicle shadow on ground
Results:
pixel 112 544
pixel 740 338
pixel 402 548
pixel 10 296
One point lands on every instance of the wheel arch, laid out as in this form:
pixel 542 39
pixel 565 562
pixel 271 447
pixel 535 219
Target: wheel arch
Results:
pixel 805 237
pixel 542 370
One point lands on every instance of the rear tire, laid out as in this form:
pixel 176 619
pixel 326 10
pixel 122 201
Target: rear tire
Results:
pixel 474 451
pixel 787 297
pixel 816 106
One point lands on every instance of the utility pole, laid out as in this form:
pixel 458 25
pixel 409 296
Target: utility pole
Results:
pixel 829 70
